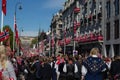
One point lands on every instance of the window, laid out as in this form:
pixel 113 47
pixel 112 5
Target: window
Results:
pixel 116 49
pixel 116 3
pixel 108 31
pixel 107 50
pixel 108 9
pixel 116 29
pixel 60 26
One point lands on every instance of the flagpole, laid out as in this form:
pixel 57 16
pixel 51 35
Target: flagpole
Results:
pixel 14 33
pixel 19 3
pixel 49 45
pixel 64 47
pixel 64 40
pixel 2 18
pixel 74 34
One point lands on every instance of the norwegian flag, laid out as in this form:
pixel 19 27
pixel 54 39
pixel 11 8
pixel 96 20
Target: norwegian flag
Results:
pixel 41 47
pixel 75 26
pixel 4 6
pixel 16 31
pixel 4 35
pixel 65 35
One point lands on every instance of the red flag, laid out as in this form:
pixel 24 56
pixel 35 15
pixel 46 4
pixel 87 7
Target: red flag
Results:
pixel 52 40
pixel 75 26
pixel 4 6
pixel 65 36
pixel 41 46
pixel 16 31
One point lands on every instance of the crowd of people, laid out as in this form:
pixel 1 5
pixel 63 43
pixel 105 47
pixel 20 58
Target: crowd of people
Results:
pixel 60 67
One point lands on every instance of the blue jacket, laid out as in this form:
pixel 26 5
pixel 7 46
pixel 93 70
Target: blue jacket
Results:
pixel 94 66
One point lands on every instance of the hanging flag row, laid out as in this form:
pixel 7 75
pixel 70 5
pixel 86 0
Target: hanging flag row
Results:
pixel 4 35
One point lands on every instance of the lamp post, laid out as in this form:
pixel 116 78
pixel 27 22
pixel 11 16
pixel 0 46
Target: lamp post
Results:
pixel 20 31
pixel 20 7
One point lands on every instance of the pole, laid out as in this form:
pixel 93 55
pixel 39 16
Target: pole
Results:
pixel 15 23
pixel 14 32
pixel 73 34
pixel 2 24
pixel 64 47
pixel 64 40
pixel 49 47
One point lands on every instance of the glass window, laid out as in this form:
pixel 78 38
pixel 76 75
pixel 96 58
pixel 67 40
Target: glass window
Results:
pixel 108 9
pixel 116 7
pixel 107 50
pixel 116 29
pixel 108 31
pixel 116 49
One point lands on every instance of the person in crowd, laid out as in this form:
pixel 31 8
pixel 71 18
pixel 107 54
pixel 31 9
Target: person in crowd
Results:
pixel 36 67
pixel 31 70
pixel 70 69
pixel 52 63
pixel 106 73
pixel 93 66
pixel 115 68
pixel 46 71
pixel 62 75
pixel 6 67
pixel 78 63
pixel 58 60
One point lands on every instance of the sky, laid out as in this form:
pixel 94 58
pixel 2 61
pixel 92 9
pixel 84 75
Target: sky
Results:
pixel 35 14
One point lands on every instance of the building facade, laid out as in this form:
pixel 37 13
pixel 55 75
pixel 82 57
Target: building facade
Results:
pixel 56 30
pixel 111 27
pixel 82 19
pixel 87 24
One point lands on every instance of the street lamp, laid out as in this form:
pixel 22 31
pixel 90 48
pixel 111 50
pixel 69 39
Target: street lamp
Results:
pixel 20 7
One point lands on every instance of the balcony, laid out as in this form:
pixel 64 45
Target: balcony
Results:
pixel 78 24
pixel 89 38
pixel 65 41
pixel 76 10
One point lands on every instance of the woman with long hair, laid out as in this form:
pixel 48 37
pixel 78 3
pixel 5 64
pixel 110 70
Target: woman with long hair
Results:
pixel 6 67
pixel 93 67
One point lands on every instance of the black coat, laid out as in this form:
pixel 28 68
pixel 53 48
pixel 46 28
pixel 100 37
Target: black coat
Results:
pixel 46 72
pixel 62 75
pixel 115 68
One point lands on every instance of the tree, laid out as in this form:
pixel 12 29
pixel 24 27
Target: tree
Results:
pixel 10 36
pixel 34 41
pixel 42 36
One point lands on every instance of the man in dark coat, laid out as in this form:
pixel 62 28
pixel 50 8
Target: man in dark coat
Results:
pixel 36 66
pixel 46 71
pixel 115 68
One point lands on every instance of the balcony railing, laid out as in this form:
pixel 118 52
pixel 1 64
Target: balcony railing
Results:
pixel 90 38
pixel 65 41
pixel 76 10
